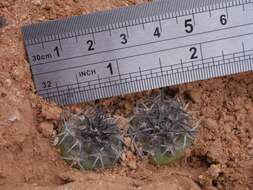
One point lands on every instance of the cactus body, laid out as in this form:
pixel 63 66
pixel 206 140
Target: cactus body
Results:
pixel 161 130
pixel 90 141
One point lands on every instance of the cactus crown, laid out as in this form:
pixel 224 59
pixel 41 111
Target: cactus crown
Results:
pixel 161 129
pixel 90 140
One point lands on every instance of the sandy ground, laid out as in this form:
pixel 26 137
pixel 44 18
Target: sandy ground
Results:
pixel 221 157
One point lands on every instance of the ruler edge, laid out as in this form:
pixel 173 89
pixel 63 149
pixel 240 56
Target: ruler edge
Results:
pixel 30 30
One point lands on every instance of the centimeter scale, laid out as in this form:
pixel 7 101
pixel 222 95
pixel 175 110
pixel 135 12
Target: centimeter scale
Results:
pixel 138 48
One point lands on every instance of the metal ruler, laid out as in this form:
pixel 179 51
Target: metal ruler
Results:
pixel 138 48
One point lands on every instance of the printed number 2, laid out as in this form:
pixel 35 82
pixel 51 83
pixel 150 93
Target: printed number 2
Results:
pixel 194 53
pixel 90 43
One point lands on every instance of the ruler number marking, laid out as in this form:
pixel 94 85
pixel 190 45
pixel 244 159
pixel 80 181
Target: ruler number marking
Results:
pixel 188 25
pixel 90 44
pixel 124 40
pixel 223 19
pixel 194 53
pixel 109 66
pixel 56 49
pixel 46 84
pixel 157 32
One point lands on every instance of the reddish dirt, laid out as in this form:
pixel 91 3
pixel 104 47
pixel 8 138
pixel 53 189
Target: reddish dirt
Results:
pixel 221 157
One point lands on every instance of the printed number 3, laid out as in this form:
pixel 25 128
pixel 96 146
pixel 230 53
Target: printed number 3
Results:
pixel 124 38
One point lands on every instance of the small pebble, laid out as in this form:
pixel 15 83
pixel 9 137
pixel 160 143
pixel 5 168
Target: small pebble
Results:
pixel 13 118
pixel 123 156
pixel 8 82
pixel 214 170
pixel 132 165
pixel 2 21
pixel 127 141
pixel 47 129
pixel 51 112
pixel 129 154
pixel 37 2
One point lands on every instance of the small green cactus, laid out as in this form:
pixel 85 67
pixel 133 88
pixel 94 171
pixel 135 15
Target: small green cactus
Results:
pixel 161 129
pixel 90 141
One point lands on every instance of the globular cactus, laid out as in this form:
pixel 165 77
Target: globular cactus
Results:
pixel 161 129
pixel 90 140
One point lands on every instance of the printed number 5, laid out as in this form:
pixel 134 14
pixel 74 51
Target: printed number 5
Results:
pixel 188 25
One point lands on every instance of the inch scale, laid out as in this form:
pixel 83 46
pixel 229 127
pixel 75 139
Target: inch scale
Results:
pixel 138 48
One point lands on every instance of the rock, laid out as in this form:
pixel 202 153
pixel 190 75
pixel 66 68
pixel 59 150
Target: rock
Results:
pixel 211 123
pixel 37 2
pixel 210 188
pixel 127 141
pixel 123 123
pixel 216 153
pixel 204 180
pixel 250 147
pixel 47 129
pixel 51 112
pixel 8 82
pixel 132 165
pixel 14 117
pixel 123 156
pixel 2 21
pixel 214 170
pixel 129 154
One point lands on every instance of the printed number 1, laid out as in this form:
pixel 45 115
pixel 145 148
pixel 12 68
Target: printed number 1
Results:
pixel 56 49
pixel 110 68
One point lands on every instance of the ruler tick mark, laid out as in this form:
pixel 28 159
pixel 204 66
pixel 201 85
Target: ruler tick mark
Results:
pixel 193 18
pixel 93 38
pixel 176 19
pixel 160 25
pixel 127 33
pixel 143 26
pixel 227 12
pixel 60 44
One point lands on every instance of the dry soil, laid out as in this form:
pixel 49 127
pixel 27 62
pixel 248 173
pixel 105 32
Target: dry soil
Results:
pixel 220 158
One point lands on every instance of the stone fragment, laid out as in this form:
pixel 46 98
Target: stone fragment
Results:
pixel 47 129
pixel 2 21
pixel 132 165
pixel 214 170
